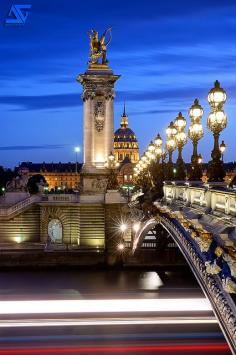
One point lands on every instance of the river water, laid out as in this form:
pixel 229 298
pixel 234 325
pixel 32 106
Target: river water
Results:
pixel 97 283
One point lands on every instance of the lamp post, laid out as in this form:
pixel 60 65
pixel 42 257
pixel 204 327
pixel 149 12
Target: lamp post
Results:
pixel 150 161
pixel 159 155
pixel 181 139
pixel 200 160
pixel 155 169
pixel 195 133
pixel 217 121
pixel 77 150
pixel 140 169
pixel 222 150
pixel 112 165
pixel 158 147
pixel 170 147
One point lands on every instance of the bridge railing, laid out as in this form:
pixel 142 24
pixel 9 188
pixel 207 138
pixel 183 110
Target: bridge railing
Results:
pixel 204 195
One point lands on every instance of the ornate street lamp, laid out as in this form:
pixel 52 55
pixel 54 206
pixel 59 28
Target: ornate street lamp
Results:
pixel 222 150
pixel 158 171
pixel 217 121
pixel 151 147
pixel 171 130
pixel 144 159
pixel 181 139
pixel 195 133
pixel 150 153
pixel 158 141
pixel 170 147
pixel 158 147
pixel 112 165
pixel 200 159
pixel 217 97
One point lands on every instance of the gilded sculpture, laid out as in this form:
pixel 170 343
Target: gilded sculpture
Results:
pixel 98 47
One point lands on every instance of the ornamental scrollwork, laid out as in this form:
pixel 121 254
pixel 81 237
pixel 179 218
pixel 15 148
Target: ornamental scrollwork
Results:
pixel 99 115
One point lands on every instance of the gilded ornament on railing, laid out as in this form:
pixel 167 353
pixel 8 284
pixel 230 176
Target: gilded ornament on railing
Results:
pixel 229 285
pixel 231 263
pixel 186 224
pixel 212 268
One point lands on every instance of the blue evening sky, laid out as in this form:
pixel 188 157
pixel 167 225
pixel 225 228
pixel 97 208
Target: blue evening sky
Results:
pixel 167 53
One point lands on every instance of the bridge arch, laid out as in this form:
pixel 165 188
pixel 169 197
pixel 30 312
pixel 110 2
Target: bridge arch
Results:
pixel 211 284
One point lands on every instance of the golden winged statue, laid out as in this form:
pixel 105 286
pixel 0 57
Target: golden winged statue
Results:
pixel 98 47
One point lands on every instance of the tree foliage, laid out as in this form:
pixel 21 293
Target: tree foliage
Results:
pixel 5 176
pixel 33 183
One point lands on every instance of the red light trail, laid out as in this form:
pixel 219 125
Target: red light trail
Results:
pixel 119 349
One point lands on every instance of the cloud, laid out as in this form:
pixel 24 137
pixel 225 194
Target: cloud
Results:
pixel 33 147
pixel 42 102
pixel 45 102
pixel 153 112
pixel 177 93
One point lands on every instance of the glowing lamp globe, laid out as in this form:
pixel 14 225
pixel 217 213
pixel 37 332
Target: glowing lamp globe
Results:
pixel 158 141
pixel 196 111
pixel 180 122
pixel 217 96
pixel 171 130
pixel 217 121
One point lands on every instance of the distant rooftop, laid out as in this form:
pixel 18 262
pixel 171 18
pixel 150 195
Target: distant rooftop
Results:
pixel 50 167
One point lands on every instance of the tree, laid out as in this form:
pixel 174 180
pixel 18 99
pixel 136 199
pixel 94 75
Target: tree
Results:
pixel 5 176
pixel 33 183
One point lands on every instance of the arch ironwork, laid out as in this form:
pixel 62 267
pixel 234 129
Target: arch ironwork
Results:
pixel 214 281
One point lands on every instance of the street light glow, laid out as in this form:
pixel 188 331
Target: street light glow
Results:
pixel 77 149
pixel 121 246
pixel 123 227
pixel 136 227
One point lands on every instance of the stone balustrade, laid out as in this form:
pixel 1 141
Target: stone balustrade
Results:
pixel 7 210
pixel 17 207
pixel 60 198
pixel 202 195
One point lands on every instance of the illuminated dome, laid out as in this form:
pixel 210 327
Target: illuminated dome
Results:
pixel 125 141
pixel 125 135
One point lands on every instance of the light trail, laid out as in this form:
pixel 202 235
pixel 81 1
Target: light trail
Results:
pixel 157 349
pixel 98 322
pixel 104 306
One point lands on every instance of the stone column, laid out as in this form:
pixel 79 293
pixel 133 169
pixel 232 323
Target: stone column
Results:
pixel 109 127
pixel 98 97
pixel 87 132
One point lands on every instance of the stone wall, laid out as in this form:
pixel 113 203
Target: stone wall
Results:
pixel 83 224
pixel 24 227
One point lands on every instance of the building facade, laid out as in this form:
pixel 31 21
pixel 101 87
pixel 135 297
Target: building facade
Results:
pixel 65 176
pixel 60 176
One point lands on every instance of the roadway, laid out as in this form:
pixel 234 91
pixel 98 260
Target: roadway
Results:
pixel 99 312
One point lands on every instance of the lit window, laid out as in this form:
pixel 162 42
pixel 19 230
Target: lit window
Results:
pixel 125 177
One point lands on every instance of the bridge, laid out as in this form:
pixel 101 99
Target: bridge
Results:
pixel 201 219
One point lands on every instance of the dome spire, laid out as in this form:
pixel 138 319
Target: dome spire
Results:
pixel 124 113
pixel 124 119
